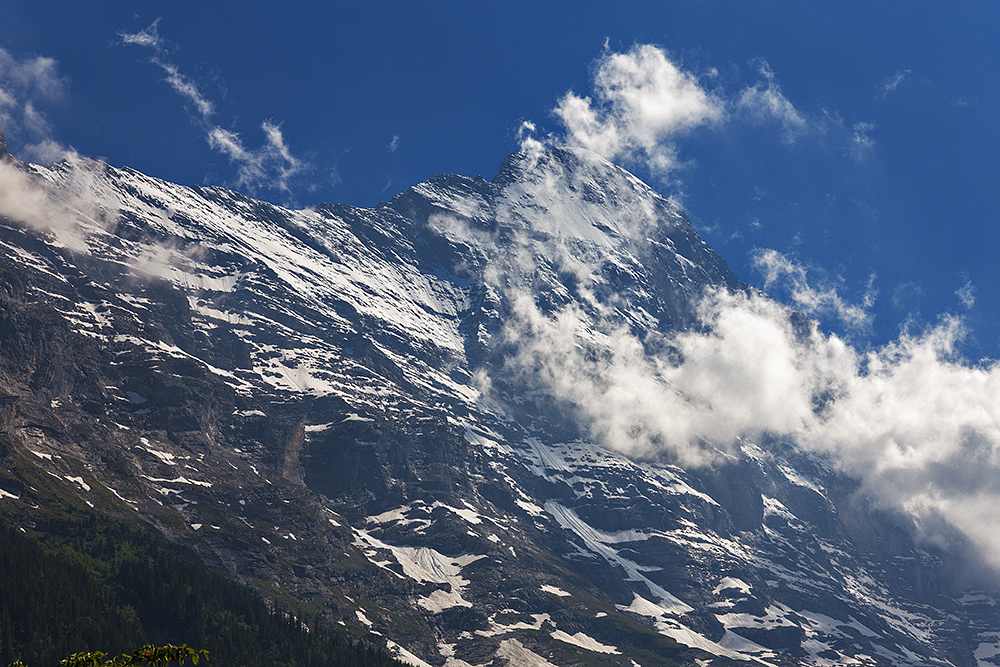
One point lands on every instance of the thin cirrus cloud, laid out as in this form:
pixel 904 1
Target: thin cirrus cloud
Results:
pixel 272 165
pixel 892 83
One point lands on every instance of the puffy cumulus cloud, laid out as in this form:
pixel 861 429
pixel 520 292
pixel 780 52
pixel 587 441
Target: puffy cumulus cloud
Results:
pixel 785 274
pixel 272 165
pixel 641 101
pixel 754 374
pixel 26 84
pixel 920 427
pixel 764 102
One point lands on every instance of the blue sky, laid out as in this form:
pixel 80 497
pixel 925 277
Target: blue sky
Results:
pixel 858 141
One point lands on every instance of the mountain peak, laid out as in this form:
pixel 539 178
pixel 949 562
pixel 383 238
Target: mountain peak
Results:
pixel 3 146
pixel 407 405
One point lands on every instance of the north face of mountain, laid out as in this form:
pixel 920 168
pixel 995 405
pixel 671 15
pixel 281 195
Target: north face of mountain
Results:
pixel 338 406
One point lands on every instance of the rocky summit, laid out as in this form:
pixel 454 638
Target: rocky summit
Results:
pixel 378 413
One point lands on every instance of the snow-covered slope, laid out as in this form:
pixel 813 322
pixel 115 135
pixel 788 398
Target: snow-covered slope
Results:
pixel 378 413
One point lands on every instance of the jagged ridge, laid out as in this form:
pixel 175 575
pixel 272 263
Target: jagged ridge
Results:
pixel 302 396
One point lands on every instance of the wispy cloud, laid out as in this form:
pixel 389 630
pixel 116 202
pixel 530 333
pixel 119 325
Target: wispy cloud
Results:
pixel 272 165
pixel 68 211
pixel 641 102
pixel 861 143
pixel 182 85
pixel 764 102
pixel 25 85
pixel 892 83
pixel 791 277
pixel 967 294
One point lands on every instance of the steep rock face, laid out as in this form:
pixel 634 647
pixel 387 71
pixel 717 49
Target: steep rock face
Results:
pixel 342 407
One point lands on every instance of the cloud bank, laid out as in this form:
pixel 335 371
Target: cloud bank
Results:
pixel 918 425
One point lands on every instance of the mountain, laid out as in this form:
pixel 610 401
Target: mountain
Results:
pixel 400 417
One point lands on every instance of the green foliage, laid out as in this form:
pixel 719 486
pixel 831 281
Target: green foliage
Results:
pixel 146 656
pixel 91 581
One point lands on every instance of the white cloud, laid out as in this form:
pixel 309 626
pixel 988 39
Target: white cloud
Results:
pixel 25 84
pixel 860 143
pixel 918 426
pixel 967 294
pixel 187 89
pixel 641 101
pixel 68 212
pixel 784 273
pixel 394 144
pixel 149 37
pixel 915 423
pixel 32 78
pixel 182 85
pixel 764 102
pixel 272 165
pixel 891 83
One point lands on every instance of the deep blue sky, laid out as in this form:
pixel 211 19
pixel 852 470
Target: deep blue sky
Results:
pixel 891 182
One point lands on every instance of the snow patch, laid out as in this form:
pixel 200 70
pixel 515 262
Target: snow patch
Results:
pixel 440 600
pixel 597 542
pixel 516 654
pixel 179 480
pixel 585 642
pixel 135 399
pixel 78 480
pixel 732 582
pixel 426 565
pixel 405 656
pixel 987 652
